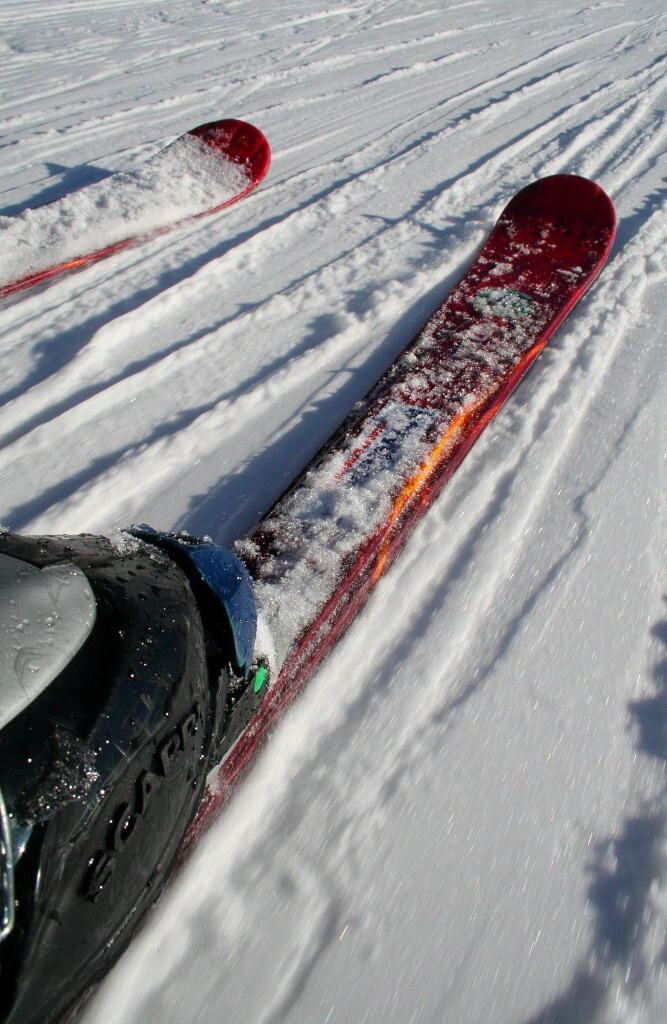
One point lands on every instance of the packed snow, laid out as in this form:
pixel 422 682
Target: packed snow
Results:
pixel 464 816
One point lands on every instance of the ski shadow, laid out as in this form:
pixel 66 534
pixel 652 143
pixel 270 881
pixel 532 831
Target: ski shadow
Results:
pixel 631 225
pixel 54 353
pixel 20 515
pixel 626 870
pixel 70 179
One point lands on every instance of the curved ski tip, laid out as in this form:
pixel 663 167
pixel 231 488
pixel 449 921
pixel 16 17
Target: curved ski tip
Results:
pixel 238 141
pixel 567 197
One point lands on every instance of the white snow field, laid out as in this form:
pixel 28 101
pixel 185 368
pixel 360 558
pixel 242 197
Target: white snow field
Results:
pixel 463 819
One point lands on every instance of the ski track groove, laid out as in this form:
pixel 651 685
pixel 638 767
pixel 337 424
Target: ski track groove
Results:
pixel 416 184
pixel 488 172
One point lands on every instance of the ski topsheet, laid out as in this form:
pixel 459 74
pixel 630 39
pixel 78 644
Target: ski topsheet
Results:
pixel 203 171
pixel 318 552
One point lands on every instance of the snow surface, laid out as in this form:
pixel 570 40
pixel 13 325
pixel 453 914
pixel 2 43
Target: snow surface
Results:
pixel 464 817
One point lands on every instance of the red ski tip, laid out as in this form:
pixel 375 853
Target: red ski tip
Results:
pixel 566 198
pixel 240 143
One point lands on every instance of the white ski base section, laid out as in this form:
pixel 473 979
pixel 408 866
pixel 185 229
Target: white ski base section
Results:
pixel 463 819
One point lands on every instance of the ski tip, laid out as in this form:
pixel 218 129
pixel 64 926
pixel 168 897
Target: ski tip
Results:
pixel 567 197
pixel 240 142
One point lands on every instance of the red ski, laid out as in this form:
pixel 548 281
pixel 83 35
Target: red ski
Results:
pixel 100 782
pixel 319 551
pixel 202 172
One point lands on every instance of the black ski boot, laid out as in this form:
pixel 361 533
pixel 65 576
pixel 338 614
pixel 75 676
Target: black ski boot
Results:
pixel 125 674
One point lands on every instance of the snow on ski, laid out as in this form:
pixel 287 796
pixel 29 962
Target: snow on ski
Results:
pixel 319 551
pixel 200 173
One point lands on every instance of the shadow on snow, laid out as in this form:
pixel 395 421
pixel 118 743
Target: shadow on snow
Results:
pixel 70 179
pixel 626 870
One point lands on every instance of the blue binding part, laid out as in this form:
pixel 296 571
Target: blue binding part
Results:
pixel 226 579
